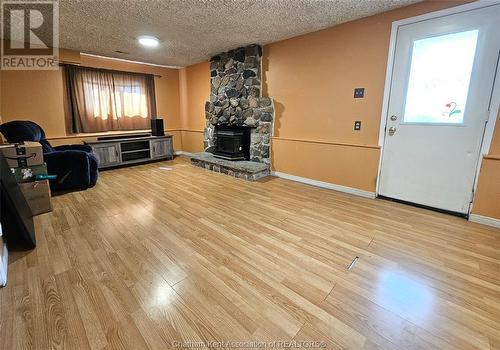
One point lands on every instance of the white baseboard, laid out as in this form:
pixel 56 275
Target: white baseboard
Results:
pixel 485 220
pixel 327 185
pixel 182 153
pixel 4 258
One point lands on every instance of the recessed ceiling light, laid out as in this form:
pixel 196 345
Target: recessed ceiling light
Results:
pixel 148 41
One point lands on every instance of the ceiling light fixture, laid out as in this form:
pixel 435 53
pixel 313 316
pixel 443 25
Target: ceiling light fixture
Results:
pixel 148 41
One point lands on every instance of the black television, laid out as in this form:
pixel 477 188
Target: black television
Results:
pixel 15 214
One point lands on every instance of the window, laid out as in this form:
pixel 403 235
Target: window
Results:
pixel 104 100
pixel 439 80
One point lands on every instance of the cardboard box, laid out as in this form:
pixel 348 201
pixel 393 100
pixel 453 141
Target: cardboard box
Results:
pixel 37 194
pixel 23 155
pixel 29 173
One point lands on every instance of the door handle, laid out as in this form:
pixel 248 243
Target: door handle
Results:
pixel 392 131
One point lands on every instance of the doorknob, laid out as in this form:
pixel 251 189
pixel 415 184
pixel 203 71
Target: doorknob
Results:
pixel 392 130
pixel 394 118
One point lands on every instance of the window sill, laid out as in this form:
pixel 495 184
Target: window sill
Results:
pixel 95 134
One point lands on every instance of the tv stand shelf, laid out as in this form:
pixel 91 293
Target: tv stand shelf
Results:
pixel 136 150
pixel 133 150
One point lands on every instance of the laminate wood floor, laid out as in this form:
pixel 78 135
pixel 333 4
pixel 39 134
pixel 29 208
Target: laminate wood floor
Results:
pixel 156 258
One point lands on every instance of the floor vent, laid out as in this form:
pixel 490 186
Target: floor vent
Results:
pixel 353 262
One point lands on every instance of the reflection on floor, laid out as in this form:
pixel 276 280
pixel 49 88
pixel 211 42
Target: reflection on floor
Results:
pixel 159 259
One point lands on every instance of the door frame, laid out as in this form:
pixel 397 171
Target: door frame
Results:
pixel 495 97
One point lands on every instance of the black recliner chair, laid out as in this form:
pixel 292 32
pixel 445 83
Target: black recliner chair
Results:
pixel 74 165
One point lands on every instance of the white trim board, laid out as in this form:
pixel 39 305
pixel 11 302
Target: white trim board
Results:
pixel 485 220
pixel 4 259
pixel 129 61
pixel 182 153
pixel 4 266
pixel 327 185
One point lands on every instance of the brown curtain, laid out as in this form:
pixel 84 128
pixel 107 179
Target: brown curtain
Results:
pixel 104 100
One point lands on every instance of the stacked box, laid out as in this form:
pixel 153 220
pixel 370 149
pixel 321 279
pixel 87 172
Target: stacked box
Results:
pixel 23 155
pixel 26 162
pixel 37 194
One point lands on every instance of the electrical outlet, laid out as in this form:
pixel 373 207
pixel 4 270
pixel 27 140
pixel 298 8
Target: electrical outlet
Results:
pixel 359 92
pixel 357 125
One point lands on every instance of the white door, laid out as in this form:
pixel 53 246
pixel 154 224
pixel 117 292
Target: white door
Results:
pixel 443 76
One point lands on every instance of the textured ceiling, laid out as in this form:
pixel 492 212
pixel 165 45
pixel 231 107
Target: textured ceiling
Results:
pixel 191 31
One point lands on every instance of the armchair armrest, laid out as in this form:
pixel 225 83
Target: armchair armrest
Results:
pixel 84 148
pixel 71 167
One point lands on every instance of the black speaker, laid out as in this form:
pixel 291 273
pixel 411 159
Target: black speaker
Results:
pixel 157 127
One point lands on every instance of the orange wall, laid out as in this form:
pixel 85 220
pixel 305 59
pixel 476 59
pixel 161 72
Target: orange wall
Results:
pixel 339 164
pixel 487 198
pixel 194 92
pixel 36 96
pixel 39 96
pixel 495 142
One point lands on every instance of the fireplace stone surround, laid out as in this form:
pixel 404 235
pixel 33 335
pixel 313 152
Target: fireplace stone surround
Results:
pixel 236 101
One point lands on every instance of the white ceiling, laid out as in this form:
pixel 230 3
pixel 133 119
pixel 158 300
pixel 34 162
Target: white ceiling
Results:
pixel 191 31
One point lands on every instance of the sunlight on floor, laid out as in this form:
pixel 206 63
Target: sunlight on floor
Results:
pixel 403 294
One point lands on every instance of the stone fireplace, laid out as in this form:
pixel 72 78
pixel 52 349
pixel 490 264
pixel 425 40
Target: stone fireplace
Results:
pixel 236 108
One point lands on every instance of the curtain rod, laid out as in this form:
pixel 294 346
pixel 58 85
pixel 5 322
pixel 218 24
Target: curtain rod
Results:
pixel 67 63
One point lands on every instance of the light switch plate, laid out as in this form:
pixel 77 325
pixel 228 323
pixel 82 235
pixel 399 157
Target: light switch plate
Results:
pixel 359 92
pixel 357 125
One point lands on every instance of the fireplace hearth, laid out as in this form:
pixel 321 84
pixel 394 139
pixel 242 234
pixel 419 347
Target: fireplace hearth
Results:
pixel 232 142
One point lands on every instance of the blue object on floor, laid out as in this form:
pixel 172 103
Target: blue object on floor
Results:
pixel 74 165
pixel 45 177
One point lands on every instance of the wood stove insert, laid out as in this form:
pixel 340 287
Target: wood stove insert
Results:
pixel 232 142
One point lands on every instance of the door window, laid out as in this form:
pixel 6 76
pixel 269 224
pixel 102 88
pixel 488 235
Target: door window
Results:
pixel 439 79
